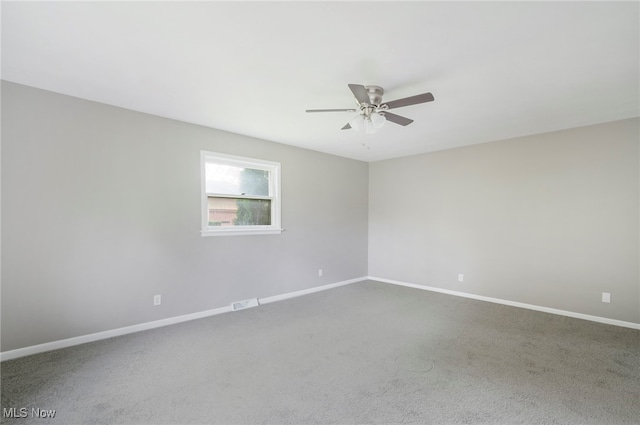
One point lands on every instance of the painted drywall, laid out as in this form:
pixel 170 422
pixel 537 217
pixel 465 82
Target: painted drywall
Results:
pixel 101 211
pixel 550 220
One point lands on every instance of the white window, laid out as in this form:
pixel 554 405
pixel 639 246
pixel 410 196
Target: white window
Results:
pixel 240 196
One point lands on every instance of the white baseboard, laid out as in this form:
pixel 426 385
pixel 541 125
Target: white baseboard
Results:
pixel 309 291
pixel 68 342
pixel 598 319
pixel 54 345
pixel 64 343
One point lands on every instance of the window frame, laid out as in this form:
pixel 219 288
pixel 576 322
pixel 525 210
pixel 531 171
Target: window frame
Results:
pixel 243 162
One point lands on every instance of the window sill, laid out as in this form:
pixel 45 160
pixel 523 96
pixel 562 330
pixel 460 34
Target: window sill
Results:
pixel 239 232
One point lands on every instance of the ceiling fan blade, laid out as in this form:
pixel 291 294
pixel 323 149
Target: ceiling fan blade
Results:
pixel 330 110
pixel 346 127
pixel 360 93
pixel 412 100
pixel 397 118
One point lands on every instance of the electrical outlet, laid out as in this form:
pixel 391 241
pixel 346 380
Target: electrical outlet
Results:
pixel 460 277
pixel 157 299
pixel 320 272
pixel 606 297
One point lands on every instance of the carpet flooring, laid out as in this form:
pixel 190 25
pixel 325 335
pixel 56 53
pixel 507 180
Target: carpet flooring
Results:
pixel 368 352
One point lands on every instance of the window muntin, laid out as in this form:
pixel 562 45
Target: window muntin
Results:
pixel 239 195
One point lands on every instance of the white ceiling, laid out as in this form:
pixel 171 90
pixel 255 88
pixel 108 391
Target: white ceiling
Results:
pixel 497 69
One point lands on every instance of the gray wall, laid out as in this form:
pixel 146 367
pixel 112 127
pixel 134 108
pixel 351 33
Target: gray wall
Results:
pixel 101 210
pixel 550 220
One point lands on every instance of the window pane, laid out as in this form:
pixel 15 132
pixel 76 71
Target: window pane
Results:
pixel 230 180
pixel 239 212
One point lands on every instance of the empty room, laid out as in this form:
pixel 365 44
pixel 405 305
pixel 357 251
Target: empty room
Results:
pixel 320 212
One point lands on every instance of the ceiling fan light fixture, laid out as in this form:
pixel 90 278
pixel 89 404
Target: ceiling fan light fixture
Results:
pixel 368 121
pixel 368 126
pixel 377 120
pixel 357 122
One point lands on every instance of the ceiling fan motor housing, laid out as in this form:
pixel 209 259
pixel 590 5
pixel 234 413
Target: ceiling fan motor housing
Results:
pixel 375 94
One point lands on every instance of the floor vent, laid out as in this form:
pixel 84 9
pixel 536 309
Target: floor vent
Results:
pixel 239 305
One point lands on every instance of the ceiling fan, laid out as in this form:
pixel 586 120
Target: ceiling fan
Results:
pixel 371 112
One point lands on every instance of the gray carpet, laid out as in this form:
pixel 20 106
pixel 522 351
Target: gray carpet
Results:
pixel 363 353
